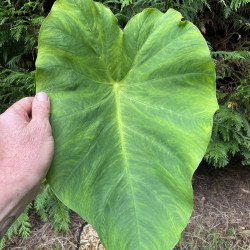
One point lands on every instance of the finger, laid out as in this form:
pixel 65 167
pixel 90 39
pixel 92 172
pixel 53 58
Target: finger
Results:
pixel 22 108
pixel 41 107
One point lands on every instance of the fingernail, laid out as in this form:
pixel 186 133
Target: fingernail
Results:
pixel 42 97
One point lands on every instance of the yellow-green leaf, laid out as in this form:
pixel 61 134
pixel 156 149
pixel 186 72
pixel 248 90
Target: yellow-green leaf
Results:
pixel 131 114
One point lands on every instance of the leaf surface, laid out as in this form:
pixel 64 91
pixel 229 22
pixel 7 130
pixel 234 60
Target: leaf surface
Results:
pixel 131 115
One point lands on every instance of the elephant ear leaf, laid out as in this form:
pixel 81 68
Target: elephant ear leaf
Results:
pixel 131 113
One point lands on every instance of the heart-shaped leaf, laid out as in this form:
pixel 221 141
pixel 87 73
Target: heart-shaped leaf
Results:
pixel 131 116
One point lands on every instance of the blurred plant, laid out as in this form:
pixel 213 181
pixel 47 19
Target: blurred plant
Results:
pixel 19 26
pixel 231 131
pixel 15 84
pixel 48 205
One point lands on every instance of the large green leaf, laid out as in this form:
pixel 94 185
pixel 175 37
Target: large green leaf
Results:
pixel 131 115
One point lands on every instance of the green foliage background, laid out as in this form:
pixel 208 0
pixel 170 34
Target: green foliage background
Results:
pixel 223 23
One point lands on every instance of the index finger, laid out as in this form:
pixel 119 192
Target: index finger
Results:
pixel 22 108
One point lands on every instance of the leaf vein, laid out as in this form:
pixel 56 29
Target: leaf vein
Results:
pixel 157 144
pixel 126 169
pixel 154 107
pixel 63 67
pixel 85 109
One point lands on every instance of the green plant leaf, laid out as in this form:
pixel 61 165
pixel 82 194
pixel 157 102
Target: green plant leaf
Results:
pixel 125 2
pixel 131 116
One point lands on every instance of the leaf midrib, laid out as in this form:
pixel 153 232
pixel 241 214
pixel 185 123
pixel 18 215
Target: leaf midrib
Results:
pixel 124 154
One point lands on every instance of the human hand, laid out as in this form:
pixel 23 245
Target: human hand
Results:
pixel 26 151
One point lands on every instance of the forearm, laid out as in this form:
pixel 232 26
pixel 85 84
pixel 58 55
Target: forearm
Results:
pixel 12 203
pixel 8 216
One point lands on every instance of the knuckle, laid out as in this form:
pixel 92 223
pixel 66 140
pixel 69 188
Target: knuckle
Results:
pixel 44 109
pixel 42 128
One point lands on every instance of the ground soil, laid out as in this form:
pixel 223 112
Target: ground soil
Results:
pixel 220 220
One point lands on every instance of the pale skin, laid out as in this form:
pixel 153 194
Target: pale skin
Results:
pixel 26 151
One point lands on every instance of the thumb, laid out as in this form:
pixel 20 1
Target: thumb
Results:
pixel 40 107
